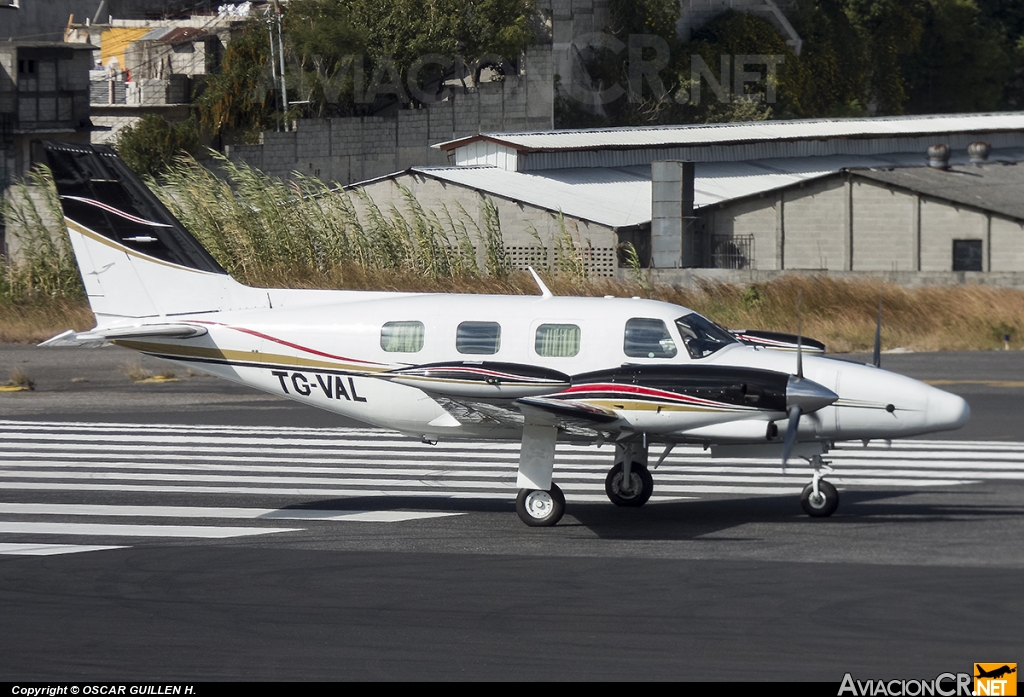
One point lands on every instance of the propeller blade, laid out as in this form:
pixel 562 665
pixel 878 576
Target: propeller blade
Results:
pixel 799 336
pixel 790 439
pixel 878 333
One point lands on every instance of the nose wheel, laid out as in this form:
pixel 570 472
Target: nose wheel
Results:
pixel 540 509
pixel 632 492
pixel 821 503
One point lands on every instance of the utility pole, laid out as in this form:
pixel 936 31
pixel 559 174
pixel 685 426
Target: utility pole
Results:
pixel 273 63
pixel 280 51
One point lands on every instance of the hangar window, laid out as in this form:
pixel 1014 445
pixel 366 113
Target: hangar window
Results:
pixel 648 338
pixel 478 337
pixel 402 337
pixel 967 255
pixel 557 340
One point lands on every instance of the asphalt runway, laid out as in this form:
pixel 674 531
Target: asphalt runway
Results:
pixel 197 530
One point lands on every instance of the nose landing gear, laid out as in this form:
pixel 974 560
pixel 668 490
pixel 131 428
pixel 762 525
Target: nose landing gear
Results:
pixel 819 498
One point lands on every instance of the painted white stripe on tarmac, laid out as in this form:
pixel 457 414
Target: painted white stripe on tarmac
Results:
pixel 37 550
pixel 90 453
pixel 571 490
pixel 108 530
pixel 71 509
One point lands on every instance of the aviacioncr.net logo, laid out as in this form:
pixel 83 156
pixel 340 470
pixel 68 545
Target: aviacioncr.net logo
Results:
pixel 995 679
pixel 943 685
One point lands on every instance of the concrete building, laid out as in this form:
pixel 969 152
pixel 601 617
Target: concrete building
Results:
pixel 849 195
pixel 44 93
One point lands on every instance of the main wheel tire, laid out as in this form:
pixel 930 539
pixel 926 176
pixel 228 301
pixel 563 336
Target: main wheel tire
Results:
pixel 642 486
pixel 540 509
pixel 823 505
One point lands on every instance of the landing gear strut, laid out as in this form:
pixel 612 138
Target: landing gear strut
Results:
pixel 538 508
pixel 629 483
pixel 819 498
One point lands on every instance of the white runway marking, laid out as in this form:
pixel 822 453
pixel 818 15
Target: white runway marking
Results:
pixel 36 550
pixel 108 530
pixel 280 464
pixel 71 509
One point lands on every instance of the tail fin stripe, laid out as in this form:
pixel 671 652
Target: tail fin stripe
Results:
pixel 81 229
pixel 111 209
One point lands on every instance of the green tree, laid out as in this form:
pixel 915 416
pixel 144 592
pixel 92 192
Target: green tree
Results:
pixel 835 59
pixel 394 43
pixel 150 146
pixel 964 62
pixel 242 98
pixel 733 34
pixel 891 31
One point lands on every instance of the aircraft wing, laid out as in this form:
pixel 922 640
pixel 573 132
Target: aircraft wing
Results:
pixel 504 394
pixel 577 419
pixel 98 337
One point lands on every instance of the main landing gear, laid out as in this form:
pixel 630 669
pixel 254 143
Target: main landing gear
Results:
pixel 819 498
pixel 540 502
pixel 630 489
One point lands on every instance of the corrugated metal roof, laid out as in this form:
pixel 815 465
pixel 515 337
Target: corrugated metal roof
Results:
pixel 618 198
pixel 707 134
pixel 155 34
pixel 621 197
pixel 993 187
pixel 181 35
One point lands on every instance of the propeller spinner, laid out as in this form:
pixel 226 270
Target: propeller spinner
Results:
pixel 803 396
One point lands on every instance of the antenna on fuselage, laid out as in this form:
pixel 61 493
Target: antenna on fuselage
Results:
pixel 544 292
pixel 799 335
pixel 878 331
pixel 794 411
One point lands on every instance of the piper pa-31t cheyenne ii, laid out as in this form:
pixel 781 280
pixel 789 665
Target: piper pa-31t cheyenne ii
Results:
pixel 538 369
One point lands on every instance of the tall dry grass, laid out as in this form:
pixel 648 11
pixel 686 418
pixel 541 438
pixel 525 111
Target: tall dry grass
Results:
pixel 313 235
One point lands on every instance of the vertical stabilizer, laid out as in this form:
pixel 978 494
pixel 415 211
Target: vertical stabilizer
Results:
pixel 136 258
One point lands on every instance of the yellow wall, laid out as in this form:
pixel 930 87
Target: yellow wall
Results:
pixel 114 42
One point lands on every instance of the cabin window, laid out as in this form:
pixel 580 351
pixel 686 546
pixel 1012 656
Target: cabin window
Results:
pixel 701 336
pixel 648 338
pixel 402 337
pixel 557 340
pixel 478 337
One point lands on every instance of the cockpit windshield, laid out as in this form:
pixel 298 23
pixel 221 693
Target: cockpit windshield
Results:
pixel 701 336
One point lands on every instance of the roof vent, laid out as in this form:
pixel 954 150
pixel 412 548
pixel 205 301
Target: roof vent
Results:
pixel 979 152
pixel 938 156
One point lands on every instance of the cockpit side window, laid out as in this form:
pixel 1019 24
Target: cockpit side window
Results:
pixel 648 338
pixel 701 336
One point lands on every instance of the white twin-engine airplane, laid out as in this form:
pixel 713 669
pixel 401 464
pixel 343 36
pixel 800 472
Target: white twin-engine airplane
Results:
pixel 539 369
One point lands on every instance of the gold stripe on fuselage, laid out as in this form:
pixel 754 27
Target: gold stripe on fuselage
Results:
pixel 232 356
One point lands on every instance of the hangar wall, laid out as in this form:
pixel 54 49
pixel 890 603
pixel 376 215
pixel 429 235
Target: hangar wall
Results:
pixel 842 223
pixel 521 224
pixel 885 228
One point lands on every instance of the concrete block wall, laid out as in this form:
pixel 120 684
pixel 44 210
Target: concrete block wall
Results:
pixel 941 223
pixel 885 228
pixel 348 150
pixel 815 226
pixel 757 217
pixel 1007 240
pixel 520 224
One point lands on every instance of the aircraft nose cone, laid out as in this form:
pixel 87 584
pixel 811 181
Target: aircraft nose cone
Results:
pixel 947 411
pixel 808 395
